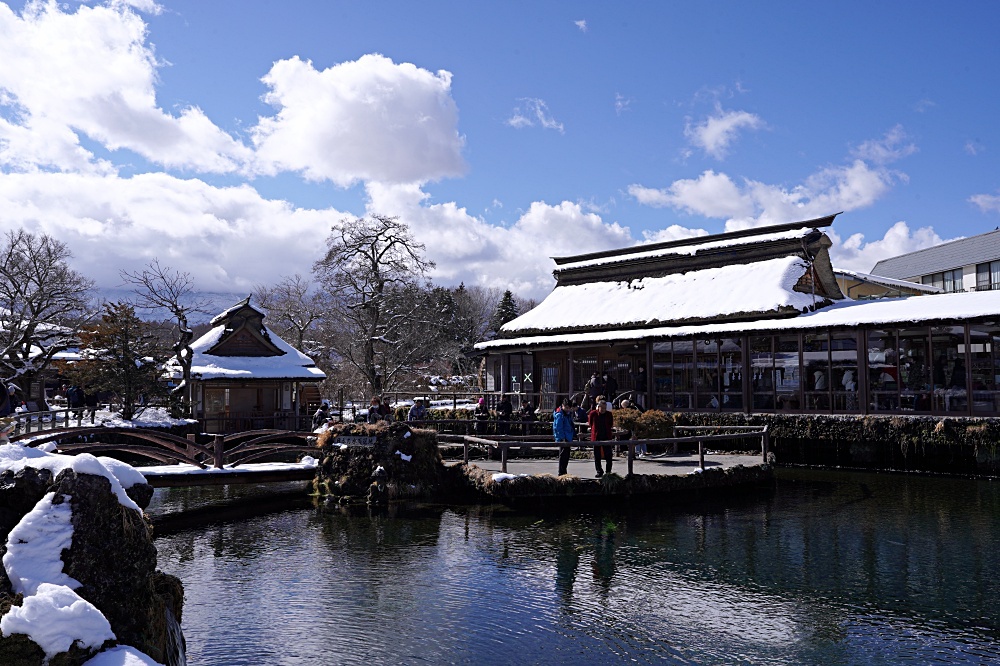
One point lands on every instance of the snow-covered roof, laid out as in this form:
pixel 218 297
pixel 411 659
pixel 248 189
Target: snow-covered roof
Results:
pixel 291 364
pixel 685 248
pixel 888 312
pixel 727 291
pixel 887 282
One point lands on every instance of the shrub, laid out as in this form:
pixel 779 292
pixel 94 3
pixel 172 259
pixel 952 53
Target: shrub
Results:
pixel 627 419
pixel 654 424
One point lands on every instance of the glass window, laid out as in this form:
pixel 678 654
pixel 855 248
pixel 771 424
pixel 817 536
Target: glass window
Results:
pixel 663 393
pixel 682 374
pixel 988 276
pixel 731 373
pixel 844 371
pixel 949 371
pixel 949 281
pixel 984 368
pixel 816 357
pixel 883 371
pixel 707 377
pixel 914 370
pixel 762 378
pixel 787 374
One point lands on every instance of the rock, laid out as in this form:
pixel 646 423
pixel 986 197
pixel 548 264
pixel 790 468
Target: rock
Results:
pixel 111 555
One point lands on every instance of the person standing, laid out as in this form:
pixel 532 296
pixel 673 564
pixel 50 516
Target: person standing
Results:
pixel 595 388
pixel 640 387
pixel 504 411
pixel 562 431
pixel 528 417
pixel 610 386
pixel 482 415
pixel 601 430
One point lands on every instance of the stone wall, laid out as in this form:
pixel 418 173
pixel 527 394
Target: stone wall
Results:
pixel 903 443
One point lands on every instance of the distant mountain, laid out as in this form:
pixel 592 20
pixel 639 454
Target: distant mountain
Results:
pixel 218 301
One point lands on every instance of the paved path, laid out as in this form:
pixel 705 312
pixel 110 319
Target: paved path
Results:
pixel 678 464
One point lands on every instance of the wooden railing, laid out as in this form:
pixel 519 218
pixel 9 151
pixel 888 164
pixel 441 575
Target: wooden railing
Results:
pixel 55 419
pixel 701 437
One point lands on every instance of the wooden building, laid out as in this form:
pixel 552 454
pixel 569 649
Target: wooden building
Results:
pixel 245 377
pixel 750 321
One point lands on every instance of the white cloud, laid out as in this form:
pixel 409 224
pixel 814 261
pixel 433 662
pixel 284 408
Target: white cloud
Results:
pixel 622 103
pixel 468 249
pixel 987 203
pixel 973 147
pixel 228 238
pixel 894 146
pixel 369 119
pixel 831 189
pixel 711 194
pixel 854 254
pixel 532 112
pixel 672 233
pixel 719 131
pixel 582 25
pixel 92 72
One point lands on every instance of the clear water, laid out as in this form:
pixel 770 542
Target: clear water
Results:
pixel 828 568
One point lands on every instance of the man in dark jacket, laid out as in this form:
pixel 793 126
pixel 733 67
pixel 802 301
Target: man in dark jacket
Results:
pixel 562 430
pixel 602 430
pixel 504 411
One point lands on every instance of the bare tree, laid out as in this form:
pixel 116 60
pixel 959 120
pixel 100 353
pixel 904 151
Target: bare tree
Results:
pixel 162 289
pixel 294 310
pixel 42 305
pixel 371 271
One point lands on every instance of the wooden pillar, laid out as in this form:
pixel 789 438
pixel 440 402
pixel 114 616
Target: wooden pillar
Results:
pixel 219 452
pixel 648 388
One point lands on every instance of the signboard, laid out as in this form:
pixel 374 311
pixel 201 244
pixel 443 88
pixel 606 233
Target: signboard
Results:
pixel 354 440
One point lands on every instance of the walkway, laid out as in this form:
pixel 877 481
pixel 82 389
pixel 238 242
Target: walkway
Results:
pixel 670 464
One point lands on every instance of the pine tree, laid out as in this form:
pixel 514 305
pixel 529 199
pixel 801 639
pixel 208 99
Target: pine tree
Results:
pixel 506 311
pixel 122 354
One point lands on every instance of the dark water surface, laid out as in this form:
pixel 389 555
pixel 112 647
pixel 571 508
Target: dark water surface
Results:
pixel 828 568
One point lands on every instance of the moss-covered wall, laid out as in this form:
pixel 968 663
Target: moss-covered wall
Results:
pixel 910 443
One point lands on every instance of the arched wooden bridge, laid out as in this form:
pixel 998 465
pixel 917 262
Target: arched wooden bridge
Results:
pixel 224 451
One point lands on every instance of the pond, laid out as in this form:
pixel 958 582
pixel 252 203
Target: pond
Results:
pixel 826 567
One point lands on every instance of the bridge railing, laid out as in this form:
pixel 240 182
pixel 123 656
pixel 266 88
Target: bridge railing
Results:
pixel 54 419
pixel 235 422
pixel 702 436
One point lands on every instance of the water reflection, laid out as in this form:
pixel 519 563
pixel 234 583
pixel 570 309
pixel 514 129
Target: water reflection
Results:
pixel 826 568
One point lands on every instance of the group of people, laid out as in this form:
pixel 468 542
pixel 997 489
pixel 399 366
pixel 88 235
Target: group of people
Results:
pixel 601 423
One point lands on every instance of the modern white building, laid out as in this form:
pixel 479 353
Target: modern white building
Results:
pixel 966 264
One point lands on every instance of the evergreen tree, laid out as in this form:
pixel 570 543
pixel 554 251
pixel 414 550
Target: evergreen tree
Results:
pixel 122 354
pixel 506 311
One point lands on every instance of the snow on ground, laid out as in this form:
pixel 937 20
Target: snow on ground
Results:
pixel 151 417
pixel 183 468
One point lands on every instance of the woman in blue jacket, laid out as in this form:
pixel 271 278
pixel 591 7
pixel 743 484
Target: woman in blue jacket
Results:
pixel 562 430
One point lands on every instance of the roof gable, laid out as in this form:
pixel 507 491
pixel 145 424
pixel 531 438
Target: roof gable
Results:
pixel 243 333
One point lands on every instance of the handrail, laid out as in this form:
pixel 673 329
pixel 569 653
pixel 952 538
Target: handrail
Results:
pixel 51 418
pixel 504 444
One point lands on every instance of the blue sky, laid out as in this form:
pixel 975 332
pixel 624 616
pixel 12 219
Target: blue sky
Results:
pixel 225 138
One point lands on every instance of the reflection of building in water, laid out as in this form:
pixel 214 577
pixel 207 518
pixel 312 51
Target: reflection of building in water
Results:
pixel 753 321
